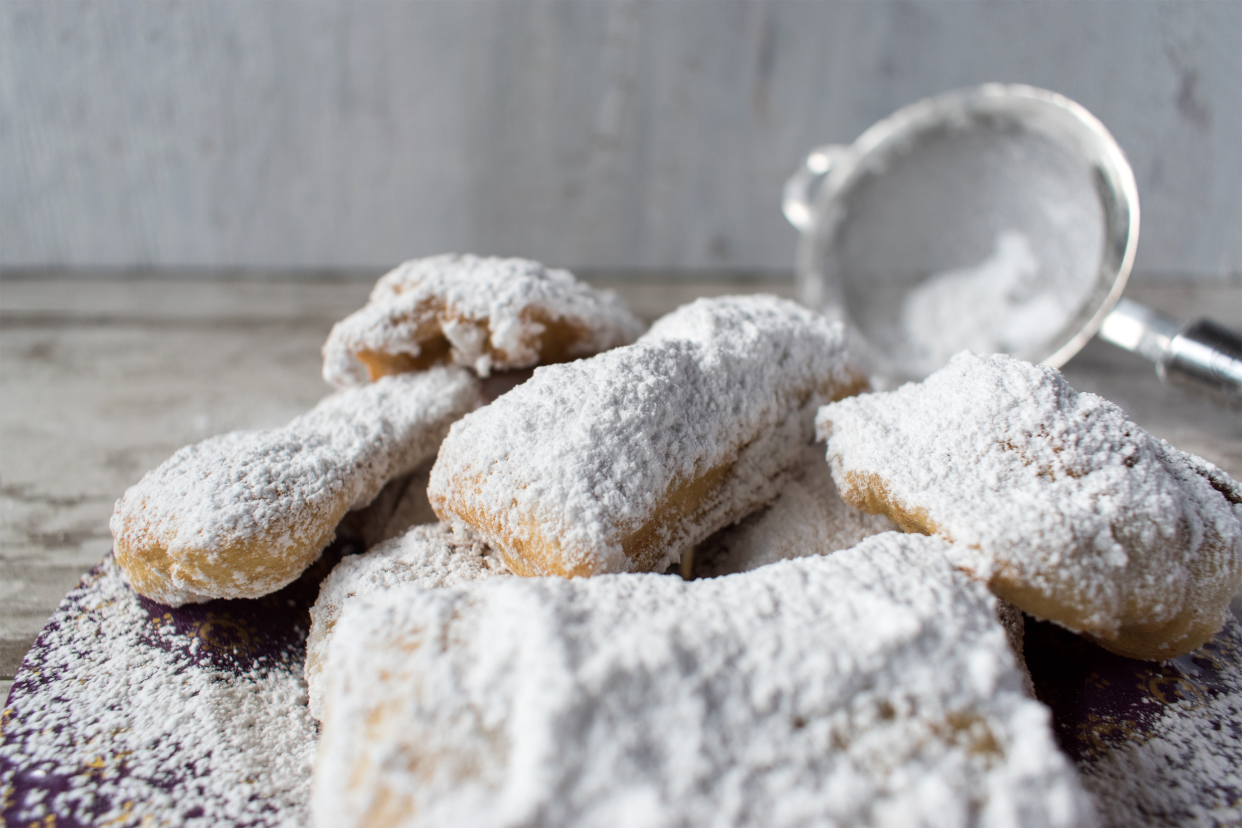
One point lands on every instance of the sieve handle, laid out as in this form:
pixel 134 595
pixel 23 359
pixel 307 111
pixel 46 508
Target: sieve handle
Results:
pixel 802 186
pixel 1201 356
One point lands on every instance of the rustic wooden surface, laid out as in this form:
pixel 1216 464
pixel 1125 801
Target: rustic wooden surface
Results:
pixel 104 379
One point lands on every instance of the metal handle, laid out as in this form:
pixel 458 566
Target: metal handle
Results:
pixel 1202 356
pixel 801 187
pixel 1208 356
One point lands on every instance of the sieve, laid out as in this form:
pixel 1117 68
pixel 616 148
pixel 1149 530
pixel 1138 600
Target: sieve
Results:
pixel 998 219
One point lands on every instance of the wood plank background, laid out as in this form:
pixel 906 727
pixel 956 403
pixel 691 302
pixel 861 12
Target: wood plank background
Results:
pixel 618 134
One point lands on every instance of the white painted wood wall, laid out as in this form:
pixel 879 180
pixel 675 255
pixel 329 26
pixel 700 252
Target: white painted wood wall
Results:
pixel 344 134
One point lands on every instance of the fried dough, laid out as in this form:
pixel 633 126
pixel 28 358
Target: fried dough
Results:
pixel 620 462
pixel 482 313
pixel 1059 503
pixel 430 556
pixel 243 514
pixel 871 687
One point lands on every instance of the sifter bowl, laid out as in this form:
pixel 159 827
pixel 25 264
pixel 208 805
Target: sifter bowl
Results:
pixel 1000 218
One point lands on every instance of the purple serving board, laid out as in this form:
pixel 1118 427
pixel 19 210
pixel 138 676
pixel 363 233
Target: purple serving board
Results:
pixel 235 636
pixel 1100 702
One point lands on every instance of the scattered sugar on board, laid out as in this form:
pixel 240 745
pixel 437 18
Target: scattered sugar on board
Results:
pixel 142 736
pixel 509 295
pixel 1047 486
pixel 870 687
pixel 808 517
pixel 1184 767
pixel 430 556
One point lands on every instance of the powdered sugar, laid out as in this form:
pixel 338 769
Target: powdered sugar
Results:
pixel 1157 745
pixel 808 517
pixel 1186 771
pixel 620 462
pixel 870 687
pixel 139 733
pixel 429 556
pixel 494 313
pixel 1010 307
pixel 1065 507
pixel 243 514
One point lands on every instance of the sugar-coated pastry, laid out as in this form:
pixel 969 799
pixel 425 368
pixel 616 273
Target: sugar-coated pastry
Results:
pixel 871 687
pixel 429 556
pixel 620 462
pixel 243 514
pixel 808 517
pixel 482 313
pixel 1062 505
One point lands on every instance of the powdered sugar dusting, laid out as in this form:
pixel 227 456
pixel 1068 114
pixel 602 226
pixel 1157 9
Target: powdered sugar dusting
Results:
pixel 1013 307
pixel 870 687
pixel 808 517
pixel 1186 770
pixel 1064 506
pixel 1157 745
pixel 243 514
pixel 429 556
pixel 141 734
pixel 620 462
pixel 492 312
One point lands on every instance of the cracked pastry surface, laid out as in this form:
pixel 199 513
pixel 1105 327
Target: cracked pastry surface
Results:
pixel 243 514
pixel 430 556
pixel 870 687
pixel 620 462
pixel 483 313
pixel 1063 506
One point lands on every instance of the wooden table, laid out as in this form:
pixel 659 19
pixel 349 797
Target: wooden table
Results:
pixel 103 379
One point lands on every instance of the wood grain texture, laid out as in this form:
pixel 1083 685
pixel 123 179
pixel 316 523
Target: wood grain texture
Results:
pixel 608 134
